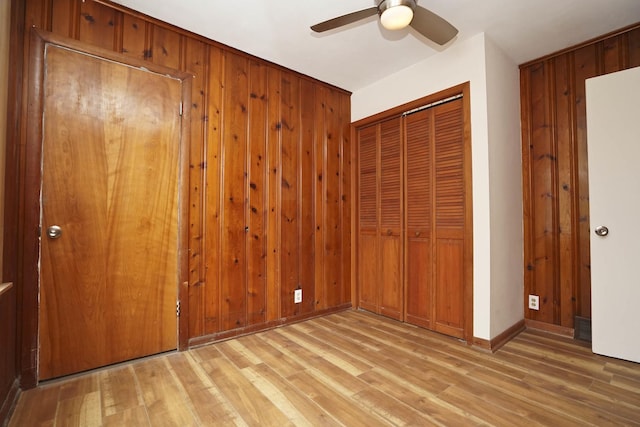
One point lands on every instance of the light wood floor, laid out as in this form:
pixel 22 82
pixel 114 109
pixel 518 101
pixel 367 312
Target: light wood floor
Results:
pixel 350 369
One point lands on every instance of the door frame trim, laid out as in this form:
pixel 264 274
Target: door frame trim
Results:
pixel 30 203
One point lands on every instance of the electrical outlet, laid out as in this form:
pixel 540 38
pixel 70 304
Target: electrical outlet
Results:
pixel 534 302
pixel 297 296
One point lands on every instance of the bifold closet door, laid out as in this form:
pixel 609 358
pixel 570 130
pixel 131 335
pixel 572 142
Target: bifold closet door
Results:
pixel 419 219
pixel 412 218
pixel 380 253
pixel 435 218
pixel 390 230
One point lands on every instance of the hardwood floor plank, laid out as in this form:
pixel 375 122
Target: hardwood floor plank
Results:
pixel 209 403
pixel 163 398
pixel 78 386
pixel 625 383
pixel 119 390
pixel 280 362
pixel 481 409
pixel 128 417
pixel 83 410
pixel 395 411
pixel 548 399
pixel 349 369
pixel 344 409
pixel 333 375
pixel 277 397
pixel 567 360
pixel 37 407
pixel 512 404
pixel 617 394
pixel 541 367
pixel 417 397
pixel 249 403
pixel 306 334
pixel 312 412
pixel 623 368
pixel 605 405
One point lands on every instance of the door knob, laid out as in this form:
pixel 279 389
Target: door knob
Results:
pixel 54 232
pixel 601 230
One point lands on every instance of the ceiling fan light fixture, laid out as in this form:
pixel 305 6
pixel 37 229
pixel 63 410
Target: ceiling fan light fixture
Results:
pixel 396 14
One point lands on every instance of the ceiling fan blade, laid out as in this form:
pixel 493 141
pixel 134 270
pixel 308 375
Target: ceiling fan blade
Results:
pixel 432 26
pixel 344 20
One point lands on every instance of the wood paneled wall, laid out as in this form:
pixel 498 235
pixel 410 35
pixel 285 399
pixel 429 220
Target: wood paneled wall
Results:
pixel 8 383
pixel 555 175
pixel 270 173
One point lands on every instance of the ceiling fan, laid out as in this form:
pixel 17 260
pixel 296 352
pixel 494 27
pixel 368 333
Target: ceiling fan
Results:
pixel 395 15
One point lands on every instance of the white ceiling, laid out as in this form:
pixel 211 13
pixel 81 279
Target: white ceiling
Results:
pixel 357 55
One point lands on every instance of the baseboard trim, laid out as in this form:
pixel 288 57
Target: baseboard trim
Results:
pixel 221 336
pixel 549 327
pixel 9 403
pixel 507 335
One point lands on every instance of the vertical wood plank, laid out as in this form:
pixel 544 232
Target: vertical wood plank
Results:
pixel 306 154
pixel 585 66
pixel 566 161
pixel 65 18
pixel 134 37
pixel 319 196
pixel 274 159
pixel 257 161
pixel 332 179
pixel 345 196
pixel 612 55
pixel 633 46
pixel 542 165
pixel 97 24
pixel 212 220
pixel 165 47
pixel 196 64
pixel 234 176
pixel 290 232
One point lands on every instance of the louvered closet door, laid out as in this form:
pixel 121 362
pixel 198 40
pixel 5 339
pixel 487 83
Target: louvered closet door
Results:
pixel 368 218
pixel 380 246
pixel 419 159
pixel 449 218
pixel 435 214
pixel 391 218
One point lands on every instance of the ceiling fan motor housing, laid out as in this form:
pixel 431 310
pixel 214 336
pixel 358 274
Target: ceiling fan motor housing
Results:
pixel 388 4
pixel 396 14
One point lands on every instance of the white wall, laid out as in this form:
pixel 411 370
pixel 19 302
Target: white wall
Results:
pixel 460 63
pixel 505 177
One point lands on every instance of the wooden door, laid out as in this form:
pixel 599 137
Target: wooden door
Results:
pixel 110 169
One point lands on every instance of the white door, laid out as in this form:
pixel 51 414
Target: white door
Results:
pixel 613 129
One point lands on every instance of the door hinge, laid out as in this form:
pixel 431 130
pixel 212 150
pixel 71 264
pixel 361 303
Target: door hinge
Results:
pixel 178 308
pixel 180 109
